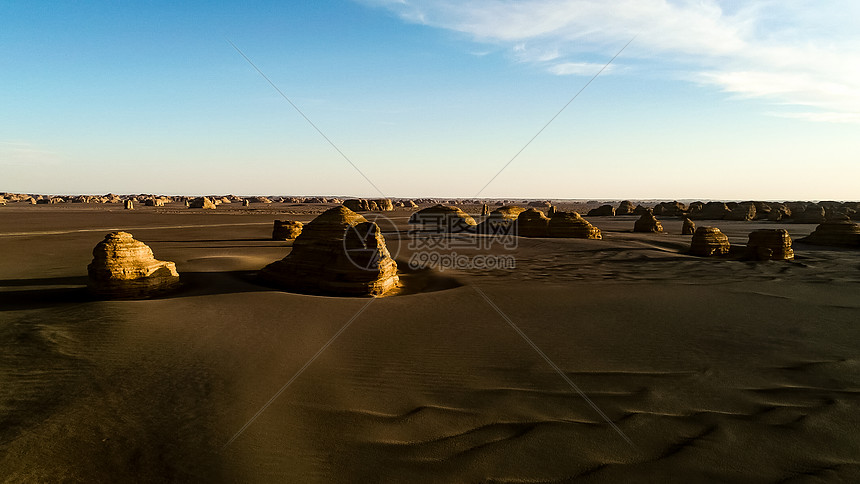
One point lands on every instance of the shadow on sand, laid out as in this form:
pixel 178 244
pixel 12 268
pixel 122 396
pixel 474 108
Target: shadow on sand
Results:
pixel 24 294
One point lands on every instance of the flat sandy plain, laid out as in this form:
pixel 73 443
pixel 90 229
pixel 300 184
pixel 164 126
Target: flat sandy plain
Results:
pixel 715 370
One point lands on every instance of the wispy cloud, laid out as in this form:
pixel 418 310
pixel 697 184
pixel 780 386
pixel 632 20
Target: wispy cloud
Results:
pixel 23 153
pixel 787 52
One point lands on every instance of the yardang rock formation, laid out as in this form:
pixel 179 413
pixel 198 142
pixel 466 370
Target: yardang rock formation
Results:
pixel 708 241
pixel 339 253
pixel 124 268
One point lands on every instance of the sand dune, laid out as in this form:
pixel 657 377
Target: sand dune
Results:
pixel 715 370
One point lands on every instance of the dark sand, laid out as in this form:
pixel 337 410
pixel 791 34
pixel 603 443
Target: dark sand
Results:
pixel 715 370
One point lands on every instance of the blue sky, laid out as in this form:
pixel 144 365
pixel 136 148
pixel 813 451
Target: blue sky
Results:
pixel 712 100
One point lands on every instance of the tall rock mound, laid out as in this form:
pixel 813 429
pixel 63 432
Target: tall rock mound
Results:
pixel 572 225
pixel 689 227
pixel 708 241
pixel 202 202
pixel 769 244
pixel 670 209
pixel 339 253
pixel 648 223
pixel 602 211
pixel 286 229
pixel 710 211
pixel 625 208
pixel 532 223
pixel 837 232
pixel 443 218
pixel 124 268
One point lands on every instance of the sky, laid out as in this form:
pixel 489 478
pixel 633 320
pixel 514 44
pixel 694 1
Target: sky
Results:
pixel 711 99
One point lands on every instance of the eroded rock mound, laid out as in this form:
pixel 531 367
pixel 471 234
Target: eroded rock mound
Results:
pixel 625 208
pixel 286 229
pixel 500 220
pixel 689 227
pixel 532 223
pixel 339 252
pixel 443 218
pixel 648 223
pixel 602 211
pixel 572 225
pixel 769 244
pixel 743 212
pixel 124 268
pixel 837 232
pixel 710 211
pixel 708 241
pixel 202 202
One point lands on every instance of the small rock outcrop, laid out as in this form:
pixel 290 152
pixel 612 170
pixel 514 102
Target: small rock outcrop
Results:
pixel 688 228
pixel 443 218
pixel 485 210
pixel 340 253
pixel 837 232
pixel 742 212
pixel 286 229
pixel 648 223
pixel 246 203
pixel 812 214
pixel 602 211
pixel 769 244
pixel 710 211
pixel 124 268
pixel 129 205
pixel 202 202
pixel 532 223
pixel 670 209
pixel 572 225
pixel 708 241
pixel 500 220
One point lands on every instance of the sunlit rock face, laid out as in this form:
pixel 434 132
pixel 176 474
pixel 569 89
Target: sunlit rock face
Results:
pixel 202 202
pixel 769 244
pixel 647 223
pixel 709 241
pixel 125 268
pixel 286 229
pixel 571 225
pixel 337 253
pixel 443 218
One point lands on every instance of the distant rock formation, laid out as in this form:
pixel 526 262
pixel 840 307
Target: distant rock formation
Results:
pixel 202 202
pixel 485 210
pixel 123 267
pixel 669 209
pixel 711 211
pixel 129 205
pixel 648 223
pixel 339 252
pixel 154 202
pixel 778 212
pixel 363 205
pixel 246 203
pixel 540 204
pixel 259 200
pixel 708 241
pixel 552 210
pixel 689 228
pixel 572 225
pixel 625 208
pixel 286 229
pixel 769 244
pixel 640 209
pixel 811 214
pixel 838 232
pixel 532 223
pixel 742 211
pixel 500 220
pixel 602 211
pixel 443 218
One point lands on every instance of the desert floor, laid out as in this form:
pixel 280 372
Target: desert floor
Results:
pixel 715 370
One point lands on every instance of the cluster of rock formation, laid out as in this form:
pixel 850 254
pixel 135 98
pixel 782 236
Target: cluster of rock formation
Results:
pixel 123 267
pixel 286 229
pixel 339 252
pixel 708 241
pixel 648 223
pixel 364 205
pixel 602 211
pixel 443 218
pixel 571 225
pixel 769 244
pixel 532 223
pixel 837 232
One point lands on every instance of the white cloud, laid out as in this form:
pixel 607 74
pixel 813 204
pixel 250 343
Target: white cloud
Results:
pixel 577 68
pixel 792 52
pixel 23 153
